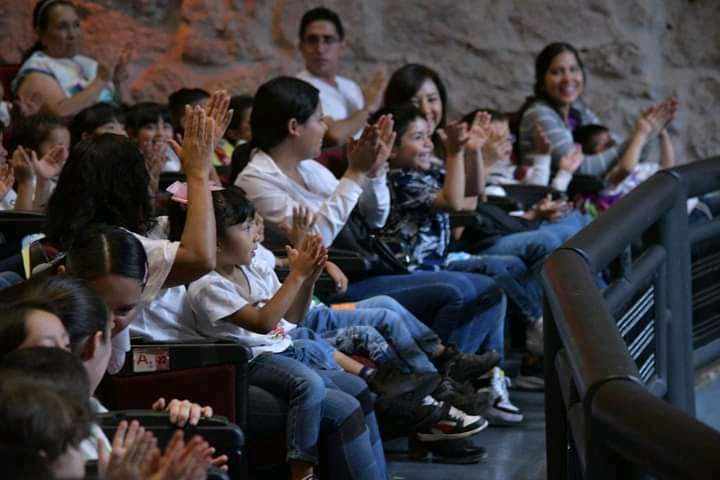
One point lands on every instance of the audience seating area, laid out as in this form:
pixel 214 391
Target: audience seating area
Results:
pixel 318 280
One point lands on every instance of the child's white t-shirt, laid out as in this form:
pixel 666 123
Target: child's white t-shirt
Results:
pixel 168 318
pixel 214 298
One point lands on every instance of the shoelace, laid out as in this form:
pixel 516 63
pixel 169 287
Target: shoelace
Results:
pixel 500 384
pixel 457 416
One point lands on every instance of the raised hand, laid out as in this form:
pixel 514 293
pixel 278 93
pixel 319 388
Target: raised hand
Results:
pixel 181 461
pixel 384 146
pixel 155 154
pixel 361 152
pixel 22 166
pixel 480 131
pixel 7 180
pixel 50 165
pixel 308 258
pixel 374 90
pixel 128 463
pixel 182 411
pixel 541 143
pixel 217 109
pixel 656 117
pixel 303 221
pixel 572 160
pixel 120 73
pixel 198 142
pixel 454 136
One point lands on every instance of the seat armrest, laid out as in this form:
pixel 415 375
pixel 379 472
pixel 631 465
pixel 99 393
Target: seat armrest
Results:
pixel 226 437
pixel 182 355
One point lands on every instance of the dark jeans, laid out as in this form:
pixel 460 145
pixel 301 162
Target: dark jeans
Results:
pixel 460 308
pixel 349 441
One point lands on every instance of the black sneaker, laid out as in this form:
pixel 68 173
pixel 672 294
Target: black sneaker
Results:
pixel 465 366
pixel 532 374
pixel 406 414
pixel 389 382
pixel 460 395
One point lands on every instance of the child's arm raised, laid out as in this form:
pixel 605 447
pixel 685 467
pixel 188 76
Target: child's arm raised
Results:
pixel 303 264
pixel 475 171
pixel 296 312
pixel 452 194
pixel 667 152
pixel 196 254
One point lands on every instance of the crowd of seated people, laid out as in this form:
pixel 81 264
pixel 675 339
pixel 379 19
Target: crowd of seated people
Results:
pixel 374 191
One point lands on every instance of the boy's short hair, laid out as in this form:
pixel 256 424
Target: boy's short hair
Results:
pixel 321 14
pixel 93 117
pixel 403 115
pixel 185 96
pixel 145 113
pixel 588 136
pixel 33 130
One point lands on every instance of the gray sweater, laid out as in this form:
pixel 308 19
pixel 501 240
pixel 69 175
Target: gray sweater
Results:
pixel 561 138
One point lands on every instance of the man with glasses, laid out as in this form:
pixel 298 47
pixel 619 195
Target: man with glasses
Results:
pixel 345 105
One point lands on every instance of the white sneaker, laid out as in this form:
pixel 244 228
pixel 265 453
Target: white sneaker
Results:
pixel 500 411
pixel 455 426
pixel 534 337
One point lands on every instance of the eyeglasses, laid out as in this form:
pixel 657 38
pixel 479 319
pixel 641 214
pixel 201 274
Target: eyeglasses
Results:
pixel 314 40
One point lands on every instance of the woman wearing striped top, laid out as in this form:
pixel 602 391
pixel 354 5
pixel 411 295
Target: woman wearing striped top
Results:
pixel 556 108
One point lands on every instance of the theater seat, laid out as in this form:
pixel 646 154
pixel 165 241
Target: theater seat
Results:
pixel 207 373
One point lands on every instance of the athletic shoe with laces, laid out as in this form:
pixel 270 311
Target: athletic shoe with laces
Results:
pixel 500 411
pixel 455 425
pixel 465 366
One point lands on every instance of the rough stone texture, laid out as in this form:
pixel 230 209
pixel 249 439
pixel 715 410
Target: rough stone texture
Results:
pixel 636 51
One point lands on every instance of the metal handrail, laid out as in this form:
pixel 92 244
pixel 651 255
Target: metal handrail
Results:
pixel 625 428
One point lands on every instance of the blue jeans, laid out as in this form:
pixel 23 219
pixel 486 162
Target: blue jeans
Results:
pixel 304 390
pixel 567 226
pixel 366 445
pixel 339 327
pixel 345 447
pixel 446 301
pixel 531 247
pixel 521 287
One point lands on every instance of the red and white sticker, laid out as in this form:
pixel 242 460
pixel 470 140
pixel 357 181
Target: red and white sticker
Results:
pixel 150 360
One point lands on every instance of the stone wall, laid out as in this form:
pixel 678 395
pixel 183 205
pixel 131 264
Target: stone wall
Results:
pixel 636 51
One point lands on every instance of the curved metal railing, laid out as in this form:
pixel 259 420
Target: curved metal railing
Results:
pixel 620 358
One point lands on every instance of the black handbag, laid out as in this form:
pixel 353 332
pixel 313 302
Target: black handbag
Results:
pixel 491 223
pixel 357 236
